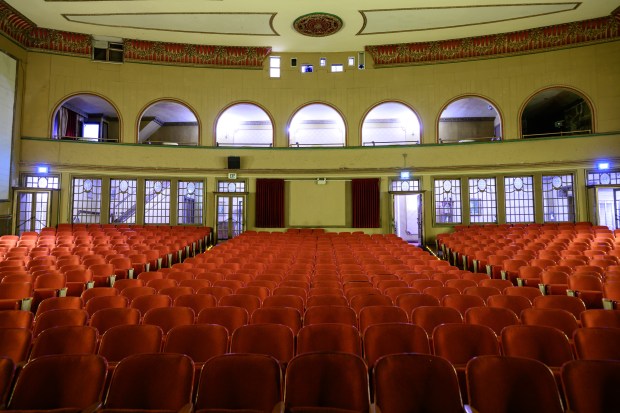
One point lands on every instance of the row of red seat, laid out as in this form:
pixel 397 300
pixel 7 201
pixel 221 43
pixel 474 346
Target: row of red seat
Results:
pixel 320 381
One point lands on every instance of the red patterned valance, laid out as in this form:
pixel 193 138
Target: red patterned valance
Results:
pixel 24 32
pixel 195 55
pixel 27 34
pixel 503 44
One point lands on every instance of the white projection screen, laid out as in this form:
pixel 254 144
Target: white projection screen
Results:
pixel 8 72
pixel 314 205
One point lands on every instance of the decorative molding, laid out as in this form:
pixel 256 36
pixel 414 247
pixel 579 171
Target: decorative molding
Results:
pixel 195 55
pixel 540 39
pixel 24 32
pixel 27 34
pixel 317 24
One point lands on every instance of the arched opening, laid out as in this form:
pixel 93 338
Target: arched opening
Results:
pixel 86 117
pixel 317 124
pixel 168 122
pixel 391 123
pixel 244 124
pixel 556 111
pixel 469 119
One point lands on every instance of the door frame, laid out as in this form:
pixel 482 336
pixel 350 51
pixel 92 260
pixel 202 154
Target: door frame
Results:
pixel 421 212
pixel 53 206
pixel 217 195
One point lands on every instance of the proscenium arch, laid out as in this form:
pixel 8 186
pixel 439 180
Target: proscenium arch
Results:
pixel 398 102
pixel 571 89
pixel 180 102
pixel 305 105
pixel 90 94
pixel 243 102
pixel 491 104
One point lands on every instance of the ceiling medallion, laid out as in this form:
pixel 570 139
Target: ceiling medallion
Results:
pixel 317 24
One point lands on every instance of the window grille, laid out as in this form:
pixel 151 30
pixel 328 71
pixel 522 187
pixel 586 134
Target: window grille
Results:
pixel 482 200
pixel 190 202
pixel 123 201
pixel 558 198
pixel 157 202
pixel 519 197
pixel 448 201
pixel 86 202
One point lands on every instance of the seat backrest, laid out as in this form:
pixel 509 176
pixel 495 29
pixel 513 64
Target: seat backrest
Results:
pixel 327 380
pixel 545 344
pixel 379 314
pixel 196 302
pixel 65 340
pixel 160 381
pixel 245 382
pixel 322 314
pixel 107 318
pixel 293 301
pixel 54 303
pixel 59 317
pixel 516 303
pixel 274 340
pixel 600 318
pixel 391 338
pixel 597 343
pixel 499 383
pixel 50 382
pixel 199 341
pixel 552 317
pixel 409 302
pixel 416 383
pixel 129 339
pixel 329 337
pixel 105 301
pixel 144 303
pixel 591 385
pixel 96 292
pixel 228 316
pixel 563 302
pixel 16 319
pixel 429 317
pixel 462 302
pixel 494 317
pixel 169 317
pixel 7 370
pixel 287 316
pixel 459 343
pixel 15 343
pixel 249 302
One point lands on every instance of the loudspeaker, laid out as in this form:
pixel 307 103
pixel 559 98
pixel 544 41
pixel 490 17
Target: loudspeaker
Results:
pixel 234 162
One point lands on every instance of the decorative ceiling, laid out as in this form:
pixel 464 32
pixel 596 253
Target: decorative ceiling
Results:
pixel 237 33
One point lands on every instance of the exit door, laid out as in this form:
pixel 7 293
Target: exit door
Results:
pixel 230 216
pixel 605 206
pixel 34 210
pixel 408 217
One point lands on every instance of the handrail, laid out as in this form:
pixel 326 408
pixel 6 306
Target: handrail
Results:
pixel 562 133
pixel 310 145
pixel 380 143
pixel 83 139
pixel 262 145
pixel 165 143
pixel 478 139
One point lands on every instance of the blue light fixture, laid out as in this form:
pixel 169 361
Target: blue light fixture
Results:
pixel 405 174
pixel 43 169
pixel 603 166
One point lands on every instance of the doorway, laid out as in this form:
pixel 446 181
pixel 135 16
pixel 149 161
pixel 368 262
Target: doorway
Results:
pixel 606 201
pixel 33 210
pixel 230 216
pixel 408 217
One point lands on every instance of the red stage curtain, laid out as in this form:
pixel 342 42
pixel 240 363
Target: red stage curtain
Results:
pixel 270 203
pixel 71 123
pixel 365 200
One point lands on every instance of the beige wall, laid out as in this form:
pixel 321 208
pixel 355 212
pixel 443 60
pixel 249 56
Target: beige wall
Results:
pixel 508 82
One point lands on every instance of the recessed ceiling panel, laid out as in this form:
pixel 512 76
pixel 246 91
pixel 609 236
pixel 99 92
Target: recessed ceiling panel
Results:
pixel 255 24
pixel 432 18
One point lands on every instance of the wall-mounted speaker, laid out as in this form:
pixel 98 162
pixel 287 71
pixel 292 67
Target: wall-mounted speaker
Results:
pixel 234 162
